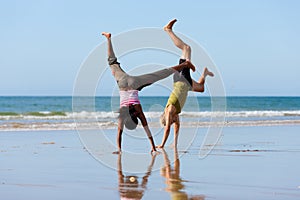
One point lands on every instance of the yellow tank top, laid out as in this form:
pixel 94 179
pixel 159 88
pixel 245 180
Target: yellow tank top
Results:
pixel 178 95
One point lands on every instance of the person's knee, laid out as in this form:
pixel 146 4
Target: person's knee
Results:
pixel 198 87
pixel 201 89
pixel 187 48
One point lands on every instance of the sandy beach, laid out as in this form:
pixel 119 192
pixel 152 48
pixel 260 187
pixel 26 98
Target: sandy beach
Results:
pixel 259 162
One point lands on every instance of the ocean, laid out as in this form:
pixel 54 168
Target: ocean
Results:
pixel 58 112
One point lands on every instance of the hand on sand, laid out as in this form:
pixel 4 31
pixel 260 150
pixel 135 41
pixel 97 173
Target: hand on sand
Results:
pixel 155 152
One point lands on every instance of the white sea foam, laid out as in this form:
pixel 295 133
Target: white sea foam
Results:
pixel 241 114
pixel 113 125
pixel 108 120
pixel 44 115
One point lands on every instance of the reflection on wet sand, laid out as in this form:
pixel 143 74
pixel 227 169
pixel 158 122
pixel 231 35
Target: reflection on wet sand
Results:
pixel 133 187
pixel 130 186
pixel 173 181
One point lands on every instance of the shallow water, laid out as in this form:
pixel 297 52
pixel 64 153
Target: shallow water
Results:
pixel 64 113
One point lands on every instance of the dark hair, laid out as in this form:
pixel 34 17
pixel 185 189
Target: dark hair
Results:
pixel 131 122
pixel 128 115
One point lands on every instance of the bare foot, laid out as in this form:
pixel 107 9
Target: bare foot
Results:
pixel 170 25
pixel 207 72
pixel 107 35
pixel 190 65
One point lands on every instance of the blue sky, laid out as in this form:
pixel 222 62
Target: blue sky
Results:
pixel 255 44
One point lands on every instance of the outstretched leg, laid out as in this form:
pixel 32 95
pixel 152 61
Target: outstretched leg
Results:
pixel 205 73
pixel 110 51
pixel 186 52
pixel 139 82
pixel 186 49
pixel 199 86
pixel 115 67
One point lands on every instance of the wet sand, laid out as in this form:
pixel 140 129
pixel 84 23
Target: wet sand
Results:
pixel 259 162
